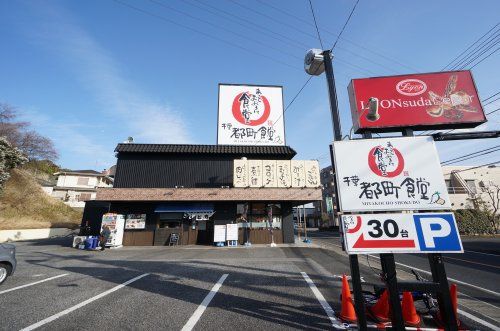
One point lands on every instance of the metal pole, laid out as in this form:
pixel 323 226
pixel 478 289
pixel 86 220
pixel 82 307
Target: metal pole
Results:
pixel 337 135
pixel 305 221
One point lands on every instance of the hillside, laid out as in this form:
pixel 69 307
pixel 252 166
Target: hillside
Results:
pixel 23 205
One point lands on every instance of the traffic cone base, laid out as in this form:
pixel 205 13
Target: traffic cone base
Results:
pixel 347 312
pixel 380 311
pixel 410 315
pixel 454 304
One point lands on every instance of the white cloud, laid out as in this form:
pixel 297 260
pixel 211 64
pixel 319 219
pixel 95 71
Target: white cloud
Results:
pixel 138 115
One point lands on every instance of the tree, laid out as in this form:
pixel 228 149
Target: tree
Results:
pixel 10 158
pixel 34 145
pixel 492 205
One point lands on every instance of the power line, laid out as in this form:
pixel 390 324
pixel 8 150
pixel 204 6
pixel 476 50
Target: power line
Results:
pixel 475 50
pixel 473 155
pixel 494 111
pixel 452 61
pixel 480 166
pixel 491 96
pixel 316 24
pixel 496 50
pixel 368 49
pixel 245 37
pixel 239 19
pixel 345 24
pixel 491 101
pixel 478 54
pixel 203 33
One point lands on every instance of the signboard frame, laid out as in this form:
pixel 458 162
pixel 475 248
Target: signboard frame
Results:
pixel 436 125
pixel 282 117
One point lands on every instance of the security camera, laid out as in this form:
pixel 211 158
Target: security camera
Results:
pixel 373 114
pixel 313 62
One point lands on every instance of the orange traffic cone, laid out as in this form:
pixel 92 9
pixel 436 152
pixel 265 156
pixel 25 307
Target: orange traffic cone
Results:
pixel 347 312
pixel 454 304
pixel 454 301
pixel 410 315
pixel 380 311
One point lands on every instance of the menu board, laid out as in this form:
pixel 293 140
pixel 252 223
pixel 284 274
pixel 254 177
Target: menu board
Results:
pixel 135 221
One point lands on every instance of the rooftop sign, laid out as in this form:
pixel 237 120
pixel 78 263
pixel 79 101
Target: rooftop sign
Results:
pixel 438 100
pixel 250 115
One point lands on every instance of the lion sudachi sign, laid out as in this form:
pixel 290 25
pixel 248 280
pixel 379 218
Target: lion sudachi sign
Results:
pixel 389 174
pixel 439 100
pixel 250 115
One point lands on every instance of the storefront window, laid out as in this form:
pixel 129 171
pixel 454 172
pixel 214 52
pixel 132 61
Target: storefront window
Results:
pixel 169 224
pixel 258 216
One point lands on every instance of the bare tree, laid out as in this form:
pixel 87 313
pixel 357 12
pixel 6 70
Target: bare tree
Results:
pixel 34 145
pixel 492 192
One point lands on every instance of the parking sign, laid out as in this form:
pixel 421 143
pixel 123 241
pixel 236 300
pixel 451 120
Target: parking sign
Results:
pixel 401 233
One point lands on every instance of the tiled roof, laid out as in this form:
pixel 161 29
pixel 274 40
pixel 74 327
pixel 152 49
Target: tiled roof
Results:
pixel 204 149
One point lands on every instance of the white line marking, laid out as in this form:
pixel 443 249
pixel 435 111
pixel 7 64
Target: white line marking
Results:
pixel 31 284
pixel 81 304
pixel 496 255
pixel 204 304
pixel 478 320
pixel 326 306
pixel 452 279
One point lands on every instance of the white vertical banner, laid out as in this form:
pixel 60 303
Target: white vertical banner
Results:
pixel 269 173
pixel 283 175
pixel 298 173
pixel 255 173
pixel 240 173
pixel 250 115
pixel 312 173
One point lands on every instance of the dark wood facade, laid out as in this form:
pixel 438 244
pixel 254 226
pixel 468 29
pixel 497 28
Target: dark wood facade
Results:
pixel 188 166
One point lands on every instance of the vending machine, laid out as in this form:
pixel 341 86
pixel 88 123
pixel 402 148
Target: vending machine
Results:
pixel 116 224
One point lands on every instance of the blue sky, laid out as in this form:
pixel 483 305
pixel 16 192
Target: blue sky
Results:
pixel 88 74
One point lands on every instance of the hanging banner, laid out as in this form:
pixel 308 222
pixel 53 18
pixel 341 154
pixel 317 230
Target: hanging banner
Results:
pixel 240 173
pixel 298 173
pixel 312 173
pixel 401 233
pixel 255 173
pixel 389 174
pixel 269 173
pixel 441 100
pixel 250 115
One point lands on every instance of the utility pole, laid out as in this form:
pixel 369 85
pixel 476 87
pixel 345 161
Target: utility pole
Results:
pixel 337 135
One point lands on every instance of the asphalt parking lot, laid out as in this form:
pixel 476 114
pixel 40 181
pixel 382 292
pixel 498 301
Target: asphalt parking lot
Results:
pixel 147 288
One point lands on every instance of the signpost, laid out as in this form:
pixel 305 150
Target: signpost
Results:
pixel 401 233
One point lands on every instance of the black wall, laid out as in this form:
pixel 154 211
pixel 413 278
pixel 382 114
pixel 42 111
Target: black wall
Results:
pixel 149 170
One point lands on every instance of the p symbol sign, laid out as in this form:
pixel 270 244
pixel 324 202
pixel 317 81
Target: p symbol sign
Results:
pixel 437 232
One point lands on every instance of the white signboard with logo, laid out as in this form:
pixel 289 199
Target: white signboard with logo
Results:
pixel 401 233
pixel 389 174
pixel 250 115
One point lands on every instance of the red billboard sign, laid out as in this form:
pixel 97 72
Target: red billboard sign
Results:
pixel 438 100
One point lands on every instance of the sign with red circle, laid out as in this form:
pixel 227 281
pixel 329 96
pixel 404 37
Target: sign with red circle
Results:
pixel 386 161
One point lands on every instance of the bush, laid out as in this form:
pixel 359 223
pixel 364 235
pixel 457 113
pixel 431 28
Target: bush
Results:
pixel 472 221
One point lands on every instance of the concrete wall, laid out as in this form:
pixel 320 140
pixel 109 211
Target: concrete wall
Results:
pixel 30 234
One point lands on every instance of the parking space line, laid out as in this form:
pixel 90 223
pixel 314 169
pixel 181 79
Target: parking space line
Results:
pixel 478 320
pixel 204 304
pixel 81 304
pixel 31 284
pixel 326 306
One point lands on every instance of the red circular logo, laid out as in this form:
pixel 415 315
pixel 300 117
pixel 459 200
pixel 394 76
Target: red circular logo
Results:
pixel 242 109
pixel 386 161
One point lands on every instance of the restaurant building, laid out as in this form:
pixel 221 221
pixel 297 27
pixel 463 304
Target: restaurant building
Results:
pixel 186 190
